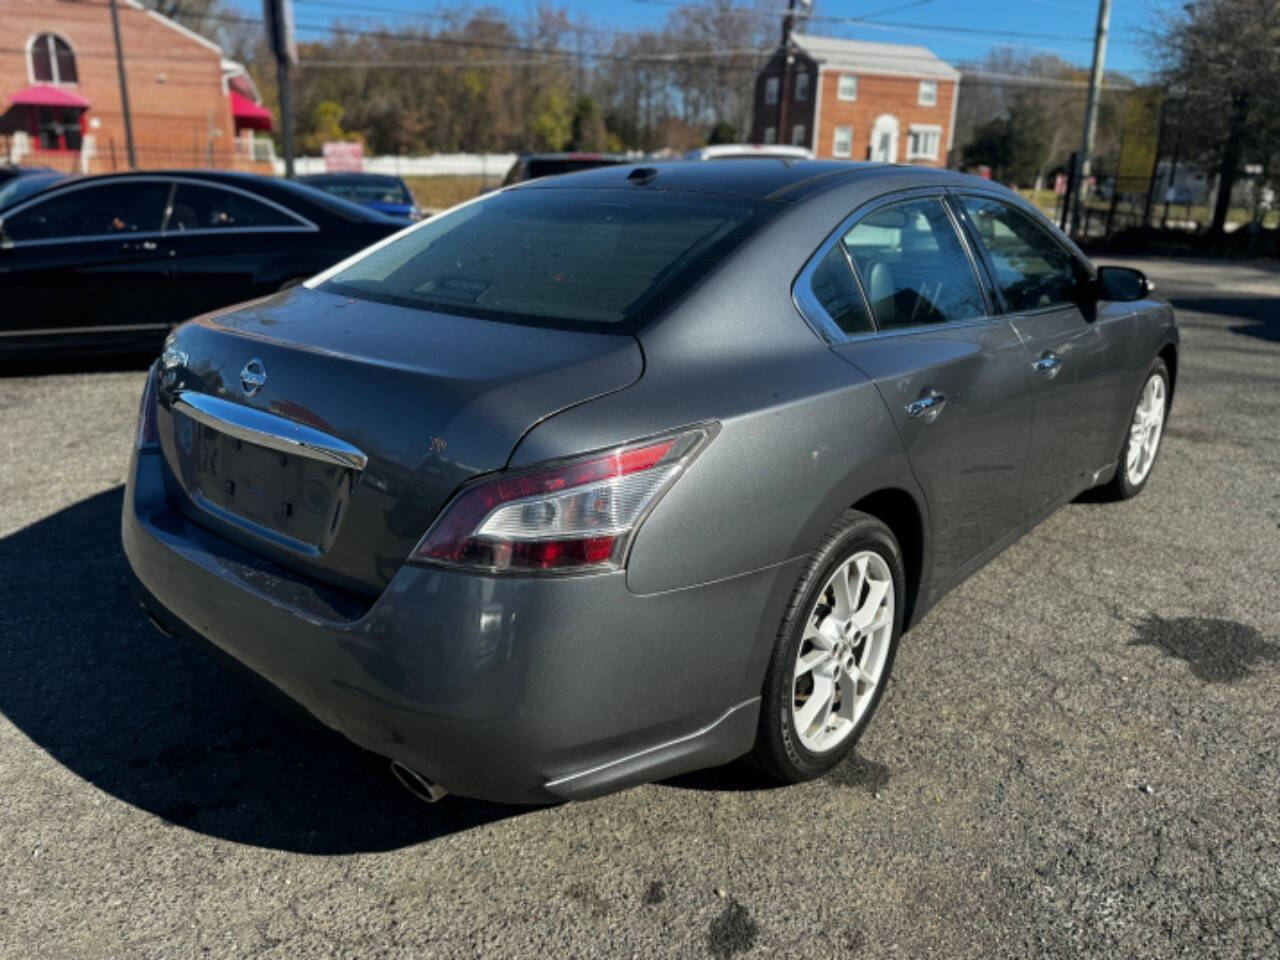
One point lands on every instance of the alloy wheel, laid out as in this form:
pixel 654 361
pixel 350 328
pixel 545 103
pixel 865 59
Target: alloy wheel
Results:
pixel 1145 430
pixel 842 654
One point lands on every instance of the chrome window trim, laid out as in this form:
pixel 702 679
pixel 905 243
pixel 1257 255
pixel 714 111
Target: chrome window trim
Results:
pixel 822 323
pixel 303 224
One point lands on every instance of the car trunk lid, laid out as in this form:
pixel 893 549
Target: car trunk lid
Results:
pixel 327 432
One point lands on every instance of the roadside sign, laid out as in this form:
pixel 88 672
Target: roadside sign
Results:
pixel 343 157
pixel 1060 184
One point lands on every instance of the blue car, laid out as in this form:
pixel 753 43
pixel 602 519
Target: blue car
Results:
pixel 378 191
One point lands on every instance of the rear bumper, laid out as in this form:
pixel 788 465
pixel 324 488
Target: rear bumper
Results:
pixel 510 689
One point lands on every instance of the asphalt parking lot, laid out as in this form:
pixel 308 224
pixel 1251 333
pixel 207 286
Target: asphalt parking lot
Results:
pixel 1079 753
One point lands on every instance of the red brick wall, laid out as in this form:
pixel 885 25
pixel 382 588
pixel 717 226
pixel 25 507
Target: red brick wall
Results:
pixel 879 94
pixel 175 82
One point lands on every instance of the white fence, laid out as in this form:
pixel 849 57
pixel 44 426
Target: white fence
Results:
pixel 489 165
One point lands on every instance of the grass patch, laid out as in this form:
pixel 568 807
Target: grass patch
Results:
pixel 439 192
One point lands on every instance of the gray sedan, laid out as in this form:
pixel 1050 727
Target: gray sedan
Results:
pixel 611 476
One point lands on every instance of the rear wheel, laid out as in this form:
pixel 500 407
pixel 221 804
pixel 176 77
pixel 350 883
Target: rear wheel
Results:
pixel 834 651
pixel 1146 430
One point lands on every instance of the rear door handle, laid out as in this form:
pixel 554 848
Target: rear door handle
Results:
pixel 927 406
pixel 1048 364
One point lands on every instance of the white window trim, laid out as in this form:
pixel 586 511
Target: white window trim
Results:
pixel 808 82
pixel 840 92
pixel 920 97
pixel 835 139
pixel 53 65
pixel 924 128
pixel 771 86
pixel 803 131
pixel 770 135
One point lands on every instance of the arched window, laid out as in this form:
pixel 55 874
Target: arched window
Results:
pixel 52 60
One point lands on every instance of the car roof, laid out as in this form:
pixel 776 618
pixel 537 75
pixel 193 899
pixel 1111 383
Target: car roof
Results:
pixel 273 188
pixel 765 178
pixel 716 151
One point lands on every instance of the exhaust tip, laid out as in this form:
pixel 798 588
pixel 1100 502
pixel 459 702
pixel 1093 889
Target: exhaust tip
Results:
pixel 418 785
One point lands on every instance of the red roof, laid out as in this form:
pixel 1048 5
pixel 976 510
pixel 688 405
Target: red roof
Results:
pixel 47 95
pixel 249 114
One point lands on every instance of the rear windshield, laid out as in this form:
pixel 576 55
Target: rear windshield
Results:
pixel 557 257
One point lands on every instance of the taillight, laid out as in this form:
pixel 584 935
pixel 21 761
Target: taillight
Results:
pixel 570 516
pixel 148 437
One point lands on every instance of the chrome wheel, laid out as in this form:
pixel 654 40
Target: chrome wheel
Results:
pixel 1145 430
pixel 847 635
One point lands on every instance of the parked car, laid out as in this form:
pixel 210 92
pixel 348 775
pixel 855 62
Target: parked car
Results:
pixel 114 262
pixel 16 189
pixel 736 151
pixel 377 191
pixel 611 476
pixel 531 166
pixel 9 171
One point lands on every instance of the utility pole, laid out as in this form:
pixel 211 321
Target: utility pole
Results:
pixel 286 113
pixel 278 18
pixel 1091 111
pixel 124 88
pixel 788 20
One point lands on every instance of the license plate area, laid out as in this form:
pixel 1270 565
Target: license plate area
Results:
pixel 298 498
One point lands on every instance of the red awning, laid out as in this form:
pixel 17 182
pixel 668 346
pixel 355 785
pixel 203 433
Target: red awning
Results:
pixel 249 114
pixel 47 95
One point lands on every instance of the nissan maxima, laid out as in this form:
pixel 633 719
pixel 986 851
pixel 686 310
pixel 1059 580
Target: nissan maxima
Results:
pixel 606 477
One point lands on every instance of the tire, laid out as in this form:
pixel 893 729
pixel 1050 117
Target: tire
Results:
pixel 789 745
pixel 1128 481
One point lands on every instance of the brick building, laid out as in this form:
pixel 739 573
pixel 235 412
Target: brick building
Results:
pixel 60 103
pixel 857 100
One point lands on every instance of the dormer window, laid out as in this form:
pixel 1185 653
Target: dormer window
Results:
pixel 51 60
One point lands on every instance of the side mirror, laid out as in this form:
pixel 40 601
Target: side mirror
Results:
pixel 1123 284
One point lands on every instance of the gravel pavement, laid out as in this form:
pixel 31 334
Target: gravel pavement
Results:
pixel 1079 754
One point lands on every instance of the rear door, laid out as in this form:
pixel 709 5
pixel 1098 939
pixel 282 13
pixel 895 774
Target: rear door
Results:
pixel 953 375
pixel 88 261
pixel 1038 281
pixel 230 245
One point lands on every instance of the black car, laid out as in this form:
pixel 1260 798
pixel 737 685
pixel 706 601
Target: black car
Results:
pixel 532 166
pixel 113 262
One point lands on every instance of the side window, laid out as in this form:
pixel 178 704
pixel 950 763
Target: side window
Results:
pixel 837 292
pixel 913 266
pixel 122 207
pixel 1032 269
pixel 198 207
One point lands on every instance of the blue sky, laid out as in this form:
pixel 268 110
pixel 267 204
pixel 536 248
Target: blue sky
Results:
pixel 1064 27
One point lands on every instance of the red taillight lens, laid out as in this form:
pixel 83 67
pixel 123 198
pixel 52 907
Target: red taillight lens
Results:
pixel 148 438
pixel 575 515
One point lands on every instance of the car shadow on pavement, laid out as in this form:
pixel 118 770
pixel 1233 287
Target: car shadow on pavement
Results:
pixel 158 724
pixel 43 366
pixel 1260 311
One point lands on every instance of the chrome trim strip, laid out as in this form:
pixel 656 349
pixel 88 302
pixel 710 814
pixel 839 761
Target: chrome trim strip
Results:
pixel 268 430
pixel 103 328
pixel 662 746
